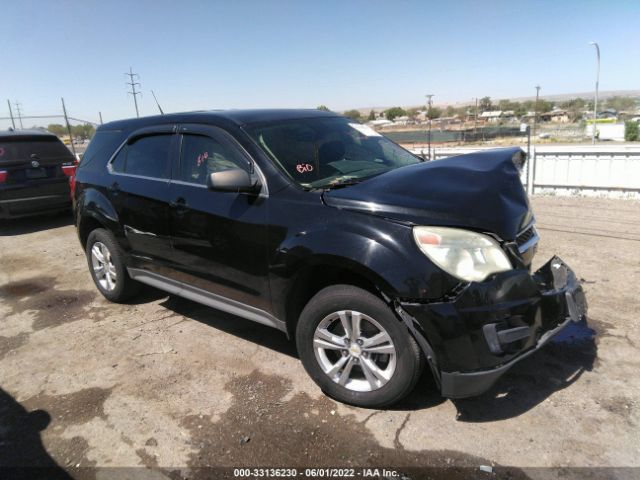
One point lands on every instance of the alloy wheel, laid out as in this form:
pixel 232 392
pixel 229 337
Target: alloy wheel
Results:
pixel 103 268
pixel 354 351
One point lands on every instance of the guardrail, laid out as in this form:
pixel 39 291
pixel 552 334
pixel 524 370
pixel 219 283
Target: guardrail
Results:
pixel 599 170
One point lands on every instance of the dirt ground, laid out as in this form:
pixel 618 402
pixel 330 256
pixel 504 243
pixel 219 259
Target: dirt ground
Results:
pixel 175 387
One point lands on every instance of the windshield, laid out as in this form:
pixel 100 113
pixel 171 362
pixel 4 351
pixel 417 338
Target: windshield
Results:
pixel 328 152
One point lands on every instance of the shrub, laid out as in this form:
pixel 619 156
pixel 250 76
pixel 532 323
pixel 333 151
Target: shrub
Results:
pixel 631 131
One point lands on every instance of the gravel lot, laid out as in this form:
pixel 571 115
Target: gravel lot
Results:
pixel 173 386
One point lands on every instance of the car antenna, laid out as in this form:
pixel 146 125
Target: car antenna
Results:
pixel 159 107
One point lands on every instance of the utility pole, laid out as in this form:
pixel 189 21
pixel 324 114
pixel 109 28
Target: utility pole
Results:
pixel 429 103
pixel 595 104
pixel 19 112
pixel 475 122
pixel 535 118
pixel 66 119
pixel 100 115
pixel 13 122
pixel 132 83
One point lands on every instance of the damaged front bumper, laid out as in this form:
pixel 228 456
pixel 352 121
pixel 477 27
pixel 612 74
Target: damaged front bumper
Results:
pixel 475 338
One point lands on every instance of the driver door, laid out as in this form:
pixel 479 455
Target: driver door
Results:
pixel 219 238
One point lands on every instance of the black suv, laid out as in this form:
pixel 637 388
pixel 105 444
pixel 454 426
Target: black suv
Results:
pixel 373 260
pixel 35 168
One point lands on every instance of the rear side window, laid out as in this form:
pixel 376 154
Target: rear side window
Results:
pixel 203 155
pixel 99 151
pixel 146 157
pixel 28 148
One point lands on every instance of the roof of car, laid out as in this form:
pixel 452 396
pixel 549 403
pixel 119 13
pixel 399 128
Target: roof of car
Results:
pixel 239 117
pixel 25 133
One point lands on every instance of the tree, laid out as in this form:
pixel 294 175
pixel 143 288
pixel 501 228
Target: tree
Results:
pixel 466 110
pixel 434 112
pixel 631 131
pixel 412 113
pixel 394 112
pixel 485 104
pixel 57 129
pixel 529 105
pixel 574 107
pixel 354 114
pixel 519 110
pixel 372 115
pixel 621 103
pixel 544 105
pixel 450 111
pixel 507 105
pixel 84 131
pixel 324 108
pixel 573 103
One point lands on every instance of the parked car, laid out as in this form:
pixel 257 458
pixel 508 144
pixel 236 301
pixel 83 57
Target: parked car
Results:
pixel 35 167
pixel 376 262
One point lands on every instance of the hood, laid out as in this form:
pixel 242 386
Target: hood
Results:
pixel 479 190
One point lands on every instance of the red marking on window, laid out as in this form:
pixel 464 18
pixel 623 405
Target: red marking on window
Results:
pixel 304 167
pixel 202 157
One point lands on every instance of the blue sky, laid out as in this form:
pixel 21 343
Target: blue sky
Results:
pixel 239 54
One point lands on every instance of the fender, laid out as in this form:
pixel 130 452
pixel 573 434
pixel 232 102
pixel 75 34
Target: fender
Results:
pixel 93 204
pixel 381 251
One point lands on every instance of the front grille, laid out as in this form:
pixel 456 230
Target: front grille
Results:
pixel 526 239
pixel 525 236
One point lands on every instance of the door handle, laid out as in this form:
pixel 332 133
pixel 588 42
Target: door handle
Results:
pixel 180 205
pixel 114 188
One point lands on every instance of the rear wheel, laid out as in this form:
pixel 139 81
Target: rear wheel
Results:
pixel 355 349
pixel 107 267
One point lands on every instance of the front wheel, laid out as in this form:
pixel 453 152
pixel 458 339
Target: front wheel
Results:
pixel 355 349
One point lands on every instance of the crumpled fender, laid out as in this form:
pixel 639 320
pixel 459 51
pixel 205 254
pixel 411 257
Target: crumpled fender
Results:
pixel 383 252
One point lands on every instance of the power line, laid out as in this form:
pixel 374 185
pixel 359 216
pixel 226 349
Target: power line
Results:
pixel 132 83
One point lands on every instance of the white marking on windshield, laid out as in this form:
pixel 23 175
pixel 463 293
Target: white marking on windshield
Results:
pixel 365 130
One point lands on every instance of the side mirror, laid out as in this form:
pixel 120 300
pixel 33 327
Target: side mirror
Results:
pixel 233 180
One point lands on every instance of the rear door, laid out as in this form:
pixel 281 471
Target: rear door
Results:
pixel 33 170
pixel 138 188
pixel 219 238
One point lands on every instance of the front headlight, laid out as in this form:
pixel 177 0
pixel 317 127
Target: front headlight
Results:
pixel 464 254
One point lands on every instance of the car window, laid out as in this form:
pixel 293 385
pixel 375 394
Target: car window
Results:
pixel 323 152
pixel 102 146
pixel 35 147
pixel 146 157
pixel 117 164
pixel 202 155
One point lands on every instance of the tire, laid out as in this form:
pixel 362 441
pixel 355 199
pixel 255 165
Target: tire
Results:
pixel 396 371
pixel 122 287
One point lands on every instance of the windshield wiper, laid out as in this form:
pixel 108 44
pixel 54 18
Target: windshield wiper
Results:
pixel 343 183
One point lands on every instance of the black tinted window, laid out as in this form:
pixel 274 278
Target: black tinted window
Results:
pixel 201 156
pixel 147 157
pixel 102 146
pixel 322 152
pixel 117 165
pixel 41 147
